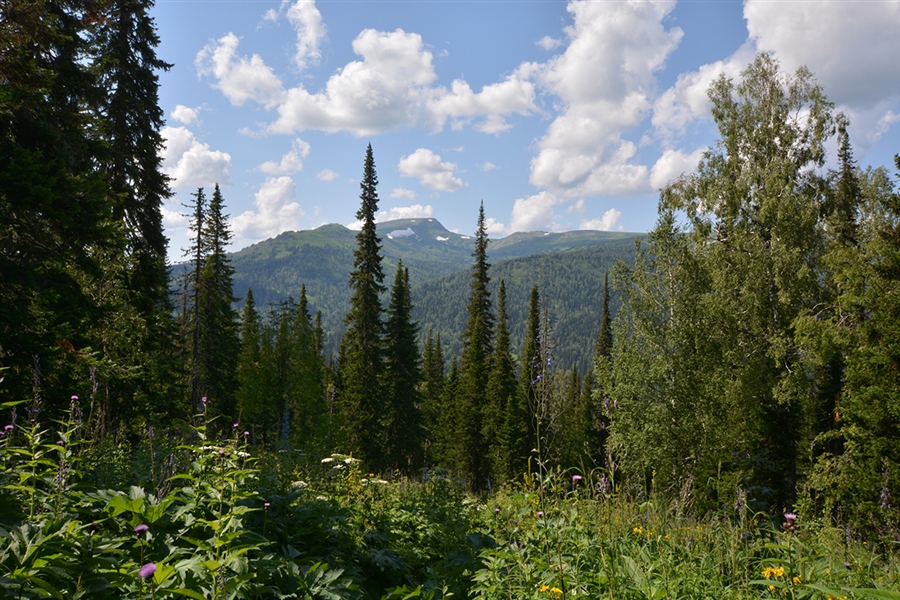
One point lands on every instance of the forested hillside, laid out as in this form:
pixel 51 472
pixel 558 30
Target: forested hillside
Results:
pixel 438 261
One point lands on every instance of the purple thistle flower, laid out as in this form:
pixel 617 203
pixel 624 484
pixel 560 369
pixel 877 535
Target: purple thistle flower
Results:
pixel 246 433
pixel 496 510
pixel 576 478
pixel 540 513
pixel 74 398
pixel 59 442
pixel 8 428
pixel 141 529
pixel 203 399
pixel 266 505
pixel 235 426
pixel 790 517
pixel 148 570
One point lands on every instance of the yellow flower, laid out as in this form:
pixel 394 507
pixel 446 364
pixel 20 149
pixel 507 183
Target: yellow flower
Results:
pixel 796 579
pixel 544 588
pixel 773 572
pixel 771 588
pixel 637 530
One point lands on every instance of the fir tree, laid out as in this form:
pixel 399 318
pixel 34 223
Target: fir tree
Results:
pixel 362 353
pixel 471 451
pixel 524 425
pixel 501 393
pixel 403 373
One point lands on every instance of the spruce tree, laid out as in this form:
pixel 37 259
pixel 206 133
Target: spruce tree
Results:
pixel 498 429
pixel 362 346
pixel 432 391
pixel 403 374
pixel 128 70
pixel 471 450
pixel 251 396
pixel 528 410
pixel 219 345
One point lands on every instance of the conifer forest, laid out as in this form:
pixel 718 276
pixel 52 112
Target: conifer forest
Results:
pixel 737 434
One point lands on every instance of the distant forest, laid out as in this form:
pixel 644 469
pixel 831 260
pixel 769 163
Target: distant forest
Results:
pixel 753 353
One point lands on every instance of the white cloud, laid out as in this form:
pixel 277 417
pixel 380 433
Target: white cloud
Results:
pixel 426 166
pixel 549 43
pixel 240 79
pixel 416 211
pixel 307 21
pixel 383 91
pixel 534 213
pixel 390 88
pixel 271 16
pixel 672 164
pixel 605 79
pixel 605 223
pixel 276 212
pixel 514 95
pixel 326 175
pixel 186 115
pixel 578 207
pixel 492 226
pixel 403 193
pixel 488 166
pixel 190 163
pixel 290 162
pixel 173 219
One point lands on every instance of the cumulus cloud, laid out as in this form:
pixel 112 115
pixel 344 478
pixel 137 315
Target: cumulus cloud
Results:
pixel 276 212
pixel 326 175
pixel 488 166
pixel 534 213
pixel 426 166
pixel 672 164
pixel 514 95
pixel 185 115
pixel 290 162
pixel 605 79
pixel 191 163
pixel 403 193
pixel 238 78
pixel 605 223
pixel 415 211
pixel 307 21
pixel 549 43
pixel 392 86
pixel 492 226
pixel 378 93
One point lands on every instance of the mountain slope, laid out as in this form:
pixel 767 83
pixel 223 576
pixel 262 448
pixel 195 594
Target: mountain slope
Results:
pixel 566 265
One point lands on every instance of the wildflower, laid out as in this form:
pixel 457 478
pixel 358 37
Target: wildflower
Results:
pixel 8 428
pixel 773 572
pixel 796 579
pixel 203 399
pixel 497 510
pixel 790 522
pixel 246 433
pixel 266 505
pixel 576 479
pixel 59 442
pixel 235 426
pixel 74 398
pixel 637 530
pixel 148 570
pixel 540 513
pixel 141 529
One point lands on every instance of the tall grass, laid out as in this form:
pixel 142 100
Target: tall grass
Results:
pixel 195 514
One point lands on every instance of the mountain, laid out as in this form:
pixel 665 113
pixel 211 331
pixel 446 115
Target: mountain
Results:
pixel 566 266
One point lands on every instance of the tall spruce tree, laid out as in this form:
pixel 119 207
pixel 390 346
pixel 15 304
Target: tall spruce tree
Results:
pixel 219 345
pixel 432 391
pixel 362 347
pixel 475 366
pixel 498 426
pixel 528 410
pixel 128 69
pixel 403 374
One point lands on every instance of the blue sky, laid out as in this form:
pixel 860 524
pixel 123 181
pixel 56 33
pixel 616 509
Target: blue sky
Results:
pixel 558 115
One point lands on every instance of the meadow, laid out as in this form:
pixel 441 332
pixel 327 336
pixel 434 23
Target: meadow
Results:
pixel 183 514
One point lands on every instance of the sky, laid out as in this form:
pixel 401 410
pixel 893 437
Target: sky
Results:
pixel 556 115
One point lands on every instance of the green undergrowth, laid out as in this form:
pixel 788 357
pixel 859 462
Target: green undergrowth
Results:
pixel 189 514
